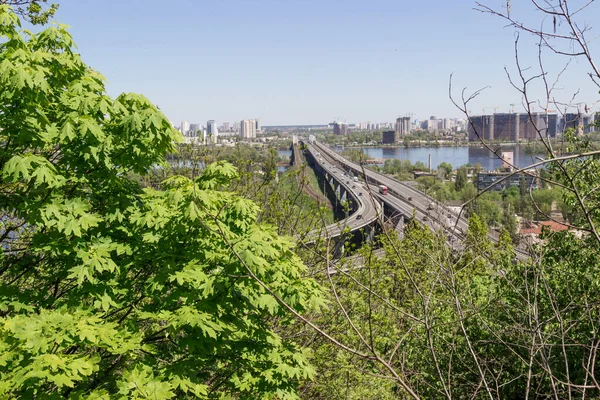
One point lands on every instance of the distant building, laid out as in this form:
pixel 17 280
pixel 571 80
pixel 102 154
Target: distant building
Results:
pixel 247 129
pixel 432 125
pixel 448 124
pixel 588 123
pixel 257 125
pixel 508 160
pixel 582 123
pixel 571 120
pixel 389 137
pixel 226 127
pixel 212 131
pixel 402 126
pixel 485 179
pixel 184 128
pixel 194 130
pixel 340 128
pixel 552 125
pixel 511 126
pixel 506 126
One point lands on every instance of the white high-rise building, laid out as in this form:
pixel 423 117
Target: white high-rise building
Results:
pixel 185 127
pixel 212 131
pixel 247 128
pixel 257 125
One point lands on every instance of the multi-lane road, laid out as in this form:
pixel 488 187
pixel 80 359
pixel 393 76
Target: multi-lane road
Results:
pixel 407 200
pixel 401 196
pixel 367 210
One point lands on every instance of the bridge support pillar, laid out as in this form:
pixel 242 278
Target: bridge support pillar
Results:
pixel 369 233
pixel 400 226
pixel 339 249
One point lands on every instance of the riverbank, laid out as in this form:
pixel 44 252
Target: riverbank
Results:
pixel 417 144
pixel 454 155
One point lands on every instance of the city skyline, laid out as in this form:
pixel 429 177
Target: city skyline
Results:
pixel 309 62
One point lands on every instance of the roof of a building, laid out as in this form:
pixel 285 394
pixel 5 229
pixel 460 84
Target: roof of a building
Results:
pixel 536 228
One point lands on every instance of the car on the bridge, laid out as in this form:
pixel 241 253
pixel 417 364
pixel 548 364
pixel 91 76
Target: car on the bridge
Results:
pixel 359 216
pixel 360 193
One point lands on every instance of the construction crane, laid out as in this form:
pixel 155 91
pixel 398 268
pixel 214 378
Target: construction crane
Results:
pixel 495 108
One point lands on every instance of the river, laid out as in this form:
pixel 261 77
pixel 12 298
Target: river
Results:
pixel 457 156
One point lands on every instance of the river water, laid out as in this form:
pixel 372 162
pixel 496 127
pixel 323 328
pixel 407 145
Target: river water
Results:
pixel 457 156
pixel 284 153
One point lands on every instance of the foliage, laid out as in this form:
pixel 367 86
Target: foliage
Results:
pixel 111 290
pixel 355 155
pixel 353 138
pixel 35 11
pixel 509 223
pixel 396 166
pixel 461 179
pixel 446 167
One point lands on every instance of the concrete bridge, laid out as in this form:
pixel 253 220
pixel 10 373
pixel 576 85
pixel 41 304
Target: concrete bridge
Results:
pixel 404 202
pixel 361 212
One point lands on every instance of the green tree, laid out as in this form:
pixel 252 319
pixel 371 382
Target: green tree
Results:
pixel 425 182
pixel 461 179
pixel 446 167
pixel 109 289
pixel 35 11
pixel 355 155
pixel 488 210
pixel 509 222
pixel 420 166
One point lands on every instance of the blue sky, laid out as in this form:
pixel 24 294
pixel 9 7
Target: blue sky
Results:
pixel 307 61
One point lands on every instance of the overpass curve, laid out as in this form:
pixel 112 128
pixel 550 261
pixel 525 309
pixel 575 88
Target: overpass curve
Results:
pixel 367 211
pixel 404 196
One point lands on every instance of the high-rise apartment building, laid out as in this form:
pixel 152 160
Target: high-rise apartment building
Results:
pixel 226 127
pixel 211 130
pixel 194 130
pixel 257 125
pixel 185 127
pixel 552 125
pixel 247 128
pixel 588 123
pixel 340 128
pixel 511 126
pixel 402 126
pixel 432 125
pixel 582 123
pixel 481 127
